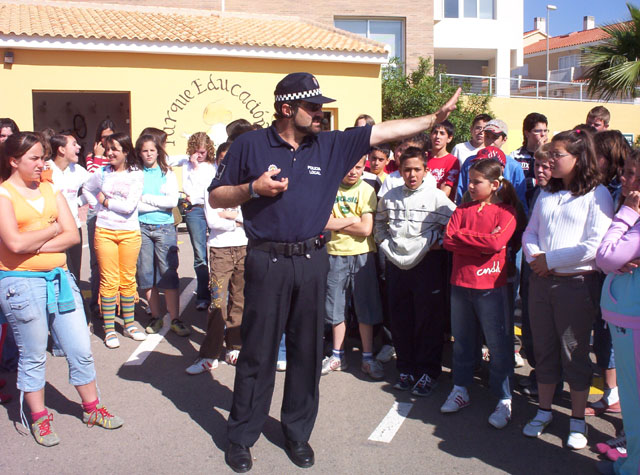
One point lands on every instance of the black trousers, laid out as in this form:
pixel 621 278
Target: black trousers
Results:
pixel 74 258
pixel 282 294
pixel 417 299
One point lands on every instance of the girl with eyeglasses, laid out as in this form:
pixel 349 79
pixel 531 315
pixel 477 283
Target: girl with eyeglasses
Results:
pixel 568 222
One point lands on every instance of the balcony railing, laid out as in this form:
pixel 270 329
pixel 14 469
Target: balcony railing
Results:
pixel 530 88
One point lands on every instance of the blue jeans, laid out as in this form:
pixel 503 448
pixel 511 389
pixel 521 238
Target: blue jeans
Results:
pixel 197 227
pixel 473 310
pixel 24 304
pixel 158 258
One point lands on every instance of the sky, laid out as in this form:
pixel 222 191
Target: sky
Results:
pixel 568 16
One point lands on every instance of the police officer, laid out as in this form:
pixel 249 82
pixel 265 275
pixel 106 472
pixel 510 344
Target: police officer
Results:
pixel 286 178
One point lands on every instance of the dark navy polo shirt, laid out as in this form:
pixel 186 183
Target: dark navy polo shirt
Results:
pixel 315 171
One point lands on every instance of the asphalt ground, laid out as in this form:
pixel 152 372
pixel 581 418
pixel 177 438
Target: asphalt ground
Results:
pixel 176 423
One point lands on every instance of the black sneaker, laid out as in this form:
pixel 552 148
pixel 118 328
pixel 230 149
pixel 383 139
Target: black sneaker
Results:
pixel 404 382
pixel 424 386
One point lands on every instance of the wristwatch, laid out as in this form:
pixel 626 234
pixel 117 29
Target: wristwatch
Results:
pixel 252 193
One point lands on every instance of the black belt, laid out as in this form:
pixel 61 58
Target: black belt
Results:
pixel 289 249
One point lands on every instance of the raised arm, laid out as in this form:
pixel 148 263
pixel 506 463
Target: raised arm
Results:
pixel 393 130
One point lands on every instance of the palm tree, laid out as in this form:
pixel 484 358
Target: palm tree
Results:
pixel 613 66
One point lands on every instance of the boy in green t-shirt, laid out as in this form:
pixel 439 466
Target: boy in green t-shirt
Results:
pixel 352 271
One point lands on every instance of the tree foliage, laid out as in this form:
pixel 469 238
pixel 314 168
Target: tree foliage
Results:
pixel 613 66
pixel 421 92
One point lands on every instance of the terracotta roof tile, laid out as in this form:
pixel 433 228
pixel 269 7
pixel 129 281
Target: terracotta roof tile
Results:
pixel 122 23
pixel 572 39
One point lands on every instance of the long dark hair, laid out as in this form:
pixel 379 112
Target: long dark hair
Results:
pixel 132 161
pixel 162 154
pixel 102 126
pixel 491 169
pixel 587 176
pixel 16 146
pixel 615 149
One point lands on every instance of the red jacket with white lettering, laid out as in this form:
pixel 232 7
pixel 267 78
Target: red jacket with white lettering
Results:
pixel 477 235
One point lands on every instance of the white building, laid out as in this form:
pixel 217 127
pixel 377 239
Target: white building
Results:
pixel 479 37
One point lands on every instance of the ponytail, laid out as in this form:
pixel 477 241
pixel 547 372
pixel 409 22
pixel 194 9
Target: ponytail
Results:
pixel 507 193
pixel 491 169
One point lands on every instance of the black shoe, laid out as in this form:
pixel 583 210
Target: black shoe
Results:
pixel 238 457
pixel 300 453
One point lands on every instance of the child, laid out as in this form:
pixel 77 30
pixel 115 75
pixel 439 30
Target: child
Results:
pixel 567 224
pixel 378 159
pixel 227 251
pixel 477 235
pixel 612 151
pixel 352 271
pixel 542 173
pixel 443 166
pixel 620 307
pixel 599 118
pixel 462 151
pixel 408 227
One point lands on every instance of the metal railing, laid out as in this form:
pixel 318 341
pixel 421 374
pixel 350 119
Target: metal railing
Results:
pixel 529 88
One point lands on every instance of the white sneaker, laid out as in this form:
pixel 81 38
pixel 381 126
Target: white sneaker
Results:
pixel 386 354
pixel 332 363
pixel 134 334
pixel 577 434
pixel 536 426
pixel 281 366
pixel 232 357
pixel 456 400
pixel 111 340
pixel 200 365
pixel 501 415
pixel 518 360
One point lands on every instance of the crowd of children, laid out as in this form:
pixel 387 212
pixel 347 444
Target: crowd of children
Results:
pixel 421 241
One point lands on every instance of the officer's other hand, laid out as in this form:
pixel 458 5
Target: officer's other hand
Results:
pixel 265 185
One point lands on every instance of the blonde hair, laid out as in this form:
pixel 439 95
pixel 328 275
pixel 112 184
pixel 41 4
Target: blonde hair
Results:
pixel 201 140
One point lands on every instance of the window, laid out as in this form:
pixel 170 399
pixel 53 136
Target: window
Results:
pixel 451 9
pixel 485 8
pixel 571 61
pixel 471 8
pixel 389 32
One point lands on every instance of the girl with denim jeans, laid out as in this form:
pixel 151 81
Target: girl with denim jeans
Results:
pixel 477 235
pixel 198 170
pixel 158 258
pixel 39 292
pixel 118 187
pixel 570 217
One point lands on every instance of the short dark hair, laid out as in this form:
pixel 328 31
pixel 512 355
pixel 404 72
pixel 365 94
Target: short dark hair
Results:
pixel 7 122
pixel 222 148
pixel 238 127
pixel 447 126
pixel 384 148
pixel 422 140
pixel 530 122
pixel 413 152
pixel 587 176
pixel 481 117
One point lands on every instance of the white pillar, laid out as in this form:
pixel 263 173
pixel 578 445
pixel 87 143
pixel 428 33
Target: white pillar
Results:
pixel 503 71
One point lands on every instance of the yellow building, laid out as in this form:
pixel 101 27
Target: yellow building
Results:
pixel 69 67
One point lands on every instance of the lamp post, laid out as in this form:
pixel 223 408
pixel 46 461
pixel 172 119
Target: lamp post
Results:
pixel 549 7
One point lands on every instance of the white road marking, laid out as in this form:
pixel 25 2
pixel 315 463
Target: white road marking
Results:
pixel 147 346
pixel 387 429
